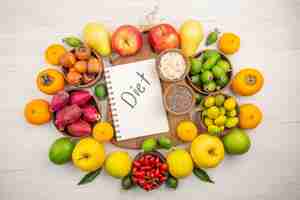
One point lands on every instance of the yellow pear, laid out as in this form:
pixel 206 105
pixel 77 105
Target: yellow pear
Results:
pixel 191 34
pixel 97 37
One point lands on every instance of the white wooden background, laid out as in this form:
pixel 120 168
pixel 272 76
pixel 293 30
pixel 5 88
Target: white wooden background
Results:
pixel 269 32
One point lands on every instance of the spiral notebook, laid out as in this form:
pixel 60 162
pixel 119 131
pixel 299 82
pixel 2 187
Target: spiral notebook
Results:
pixel 135 98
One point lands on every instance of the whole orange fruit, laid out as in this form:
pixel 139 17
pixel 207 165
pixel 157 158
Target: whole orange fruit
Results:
pixel 187 131
pixel 247 82
pixel 50 81
pixel 37 112
pixel 229 43
pixel 250 116
pixel 103 132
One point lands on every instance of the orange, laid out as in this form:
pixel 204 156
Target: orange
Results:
pixel 187 131
pixel 37 112
pixel 50 81
pixel 53 53
pixel 250 116
pixel 103 132
pixel 229 43
pixel 247 82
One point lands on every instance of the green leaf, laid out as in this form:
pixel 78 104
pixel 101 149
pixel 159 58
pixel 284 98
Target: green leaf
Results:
pixel 73 41
pixel 89 177
pixel 202 175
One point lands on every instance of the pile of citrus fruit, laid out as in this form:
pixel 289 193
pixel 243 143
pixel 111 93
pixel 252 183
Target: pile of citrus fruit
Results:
pixel 219 127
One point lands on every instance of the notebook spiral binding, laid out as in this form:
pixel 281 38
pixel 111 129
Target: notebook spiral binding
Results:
pixel 112 103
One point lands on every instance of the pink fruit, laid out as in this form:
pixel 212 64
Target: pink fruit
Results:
pixel 80 97
pixel 79 128
pixel 90 113
pixel 67 115
pixel 59 101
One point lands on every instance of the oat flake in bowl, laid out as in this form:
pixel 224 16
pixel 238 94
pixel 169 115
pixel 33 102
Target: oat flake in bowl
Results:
pixel 172 65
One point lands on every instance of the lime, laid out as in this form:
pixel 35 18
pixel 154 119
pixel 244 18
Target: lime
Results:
pixel 61 150
pixel 101 91
pixel 224 64
pixel 213 112
pixel 195 66
pixel 220 99
pixel 149 144
pixel 165 142
pixel 209 101
pixel 218 71
pixel 210 86
pixel 207 76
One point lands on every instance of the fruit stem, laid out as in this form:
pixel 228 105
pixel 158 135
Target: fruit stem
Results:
pixel 250 80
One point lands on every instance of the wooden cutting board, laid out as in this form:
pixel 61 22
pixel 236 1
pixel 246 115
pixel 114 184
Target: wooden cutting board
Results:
pixel 135 143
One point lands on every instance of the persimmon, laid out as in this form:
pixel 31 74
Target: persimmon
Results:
pixel 247 82
pixel 250 116
pixel 37 112
pixel 53 53
pixel 50 81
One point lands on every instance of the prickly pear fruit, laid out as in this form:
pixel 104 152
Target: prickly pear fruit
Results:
pixel 80 97
pixel 79 128
pixel 67 115
pixel 59 101
pixel 90 113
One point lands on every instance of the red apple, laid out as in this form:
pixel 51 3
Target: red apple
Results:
pixel 127 40
pixel 162 37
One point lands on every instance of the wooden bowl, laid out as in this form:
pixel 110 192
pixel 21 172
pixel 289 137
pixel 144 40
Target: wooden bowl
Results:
pixel 199 89
pixel 161 76
pixel 168 90
pixel 94 102
pixel 196 115
pixel 93 82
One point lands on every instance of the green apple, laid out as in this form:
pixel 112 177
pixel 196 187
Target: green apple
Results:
pixel 236 142
pixel 61 150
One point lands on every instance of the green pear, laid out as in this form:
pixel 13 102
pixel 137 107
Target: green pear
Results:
pixel 191 34
pixel 97 37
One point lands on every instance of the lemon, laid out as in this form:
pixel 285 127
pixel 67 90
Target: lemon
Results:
pixel 187 131
pixel 103 131
pixel 213 112
pixel 118 164
pixel 180 163
pixel 230 103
